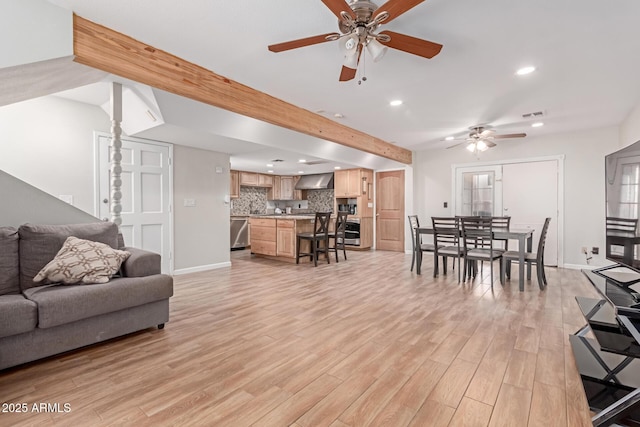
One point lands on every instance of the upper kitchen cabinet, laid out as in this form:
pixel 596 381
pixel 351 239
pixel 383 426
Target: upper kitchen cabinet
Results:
pixel 284 188
pixel 234 191
pixel 352 182
pixel 251 179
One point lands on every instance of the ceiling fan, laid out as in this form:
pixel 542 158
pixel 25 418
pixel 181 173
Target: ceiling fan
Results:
pixel 358 22
pixel 481 139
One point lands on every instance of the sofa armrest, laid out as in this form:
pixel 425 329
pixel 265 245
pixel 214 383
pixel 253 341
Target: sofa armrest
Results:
pixel 141 263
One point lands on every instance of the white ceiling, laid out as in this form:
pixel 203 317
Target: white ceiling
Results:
pixel 585 51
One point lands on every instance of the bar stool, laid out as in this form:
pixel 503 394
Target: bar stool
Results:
pixel 320 234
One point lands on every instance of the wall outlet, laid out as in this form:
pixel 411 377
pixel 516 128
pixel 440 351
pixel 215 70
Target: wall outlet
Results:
pixel 595 250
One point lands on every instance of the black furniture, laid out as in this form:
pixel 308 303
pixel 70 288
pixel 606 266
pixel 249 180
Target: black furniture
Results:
pixel 414 223
pixel 501 222
pixel 621 232
pixel 337 235
pixel 478 239
pixel 318 240
pixel 609 365
pixel 446 232
pixel 530 258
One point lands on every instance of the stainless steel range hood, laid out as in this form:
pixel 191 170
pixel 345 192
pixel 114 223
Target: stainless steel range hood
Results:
pixel 322 181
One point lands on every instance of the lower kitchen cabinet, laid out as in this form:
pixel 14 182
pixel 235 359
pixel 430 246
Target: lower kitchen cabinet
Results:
pixel 263 236
pixel 277 237
pixel 286 238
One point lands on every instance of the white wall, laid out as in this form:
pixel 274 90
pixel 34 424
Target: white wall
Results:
pixel 201 232
pixel 48 143
pixel 630 128
pixel 584 198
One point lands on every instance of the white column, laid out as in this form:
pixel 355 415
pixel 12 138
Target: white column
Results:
pixel 116 155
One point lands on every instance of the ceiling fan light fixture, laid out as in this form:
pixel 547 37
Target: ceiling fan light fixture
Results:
pixel 376 49
pixel 471 147
pixel 526 70
pixel 481 146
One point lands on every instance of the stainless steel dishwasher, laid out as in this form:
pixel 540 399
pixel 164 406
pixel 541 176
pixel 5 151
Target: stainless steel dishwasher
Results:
pixel 239 232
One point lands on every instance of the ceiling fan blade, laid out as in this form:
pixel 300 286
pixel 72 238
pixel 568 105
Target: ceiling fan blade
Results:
pixel 294 44
pixel 487 132
pixel 413 45
pixel 396 8
pixel 348 73
pixel 489 143
pixel 338 6
pixel 455 145
pixel 510 135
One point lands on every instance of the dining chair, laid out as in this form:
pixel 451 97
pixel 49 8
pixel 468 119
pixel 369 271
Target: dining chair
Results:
pixel 337 235
pixel 530 258
pixel 414 223
pixel 501 222
pixel 477 237
pixel 446 238
pixel 320 235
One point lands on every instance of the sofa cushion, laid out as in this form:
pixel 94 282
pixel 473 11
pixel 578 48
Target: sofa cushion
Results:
pixel 82 261
pixel 39 244
pixel 60 304
pixel 17 315
pixel 9 261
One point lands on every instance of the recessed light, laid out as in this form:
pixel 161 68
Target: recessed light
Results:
pixel 270 171
pixel 537 124
pixel 300 171
pixel 338 116
pixel 269 165
pixel 302 161
pixel 526 70
pixel 395 102
pixel 449 138
pixel 337 167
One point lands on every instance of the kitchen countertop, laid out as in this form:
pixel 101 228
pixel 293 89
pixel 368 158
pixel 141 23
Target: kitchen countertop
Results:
pixel 284 216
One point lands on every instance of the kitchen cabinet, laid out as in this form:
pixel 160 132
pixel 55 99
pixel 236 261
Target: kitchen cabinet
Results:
pixel 286 188
pixel 276 191
pixel 263 236
pixel 252 179
pixel 277 237
pixel 297 194
pixel 249 179
pixel 265 180
pixel 352 182
pixel 286 238
pixel 234 181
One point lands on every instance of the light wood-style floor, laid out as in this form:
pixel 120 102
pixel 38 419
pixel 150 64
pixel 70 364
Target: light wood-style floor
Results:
pixel 362 342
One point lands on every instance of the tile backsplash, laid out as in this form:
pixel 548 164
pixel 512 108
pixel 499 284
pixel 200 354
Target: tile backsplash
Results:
pixel 320 200
pixel 251 200
pixel 254 200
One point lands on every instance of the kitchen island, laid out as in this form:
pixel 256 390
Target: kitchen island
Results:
pixel 274 236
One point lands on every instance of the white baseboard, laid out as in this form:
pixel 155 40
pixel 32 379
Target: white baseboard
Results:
pixel 581 266
pixel 200 268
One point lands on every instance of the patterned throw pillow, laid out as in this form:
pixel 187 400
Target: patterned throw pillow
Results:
pixel 82 261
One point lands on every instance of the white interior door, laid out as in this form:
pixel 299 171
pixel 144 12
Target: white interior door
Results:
pixel 146 194
pixel 529 195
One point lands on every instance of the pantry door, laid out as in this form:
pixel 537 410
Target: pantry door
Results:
pixel 390 211
pixel 146 194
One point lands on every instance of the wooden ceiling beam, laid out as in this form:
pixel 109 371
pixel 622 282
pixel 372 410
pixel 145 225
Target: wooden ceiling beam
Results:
pixel 107 50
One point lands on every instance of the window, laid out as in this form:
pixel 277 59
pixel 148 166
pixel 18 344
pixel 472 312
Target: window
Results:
pixel 629 190
pixel 478 193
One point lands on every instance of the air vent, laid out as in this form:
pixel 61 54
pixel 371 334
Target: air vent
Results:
pixel 277 160
pixel 537 114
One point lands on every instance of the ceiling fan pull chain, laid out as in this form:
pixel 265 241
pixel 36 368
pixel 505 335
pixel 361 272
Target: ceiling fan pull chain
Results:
pixel 364 68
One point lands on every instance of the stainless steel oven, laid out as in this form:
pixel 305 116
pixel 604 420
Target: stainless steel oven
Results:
pixel 352 232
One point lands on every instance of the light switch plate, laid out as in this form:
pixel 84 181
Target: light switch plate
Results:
pixel 189 203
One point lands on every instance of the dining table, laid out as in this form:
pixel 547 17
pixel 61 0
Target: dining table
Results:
pixel 524 236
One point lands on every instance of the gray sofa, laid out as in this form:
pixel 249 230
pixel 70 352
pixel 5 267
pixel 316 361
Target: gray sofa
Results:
pixel 37 320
